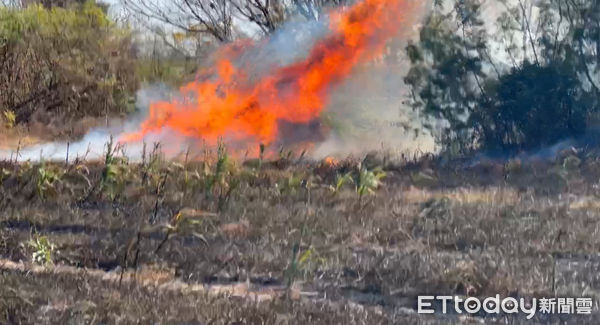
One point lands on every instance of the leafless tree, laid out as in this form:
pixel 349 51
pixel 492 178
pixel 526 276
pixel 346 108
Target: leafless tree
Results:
pixel 312 9
pixel 194 16
pixel 266 14
pixel 216 18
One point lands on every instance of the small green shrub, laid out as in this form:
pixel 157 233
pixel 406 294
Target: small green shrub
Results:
pixel 47 177
pixel 9 119
pixel 341 180
pixel 365 181
pixel 4 174
pixel 291 184
pixel 42 250
pixel 116 172
pixel 368 180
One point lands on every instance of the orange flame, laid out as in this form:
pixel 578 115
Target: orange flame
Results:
pixel 330 161
pixel 232 105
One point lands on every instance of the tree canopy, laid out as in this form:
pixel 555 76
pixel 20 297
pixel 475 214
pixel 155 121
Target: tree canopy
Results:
pixel 524 81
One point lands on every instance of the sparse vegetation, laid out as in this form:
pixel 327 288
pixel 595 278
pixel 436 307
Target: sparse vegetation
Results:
pixel 470 233
pixel 341 180
pixel 46 179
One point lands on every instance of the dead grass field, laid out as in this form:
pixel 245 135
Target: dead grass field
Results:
pixel 289 242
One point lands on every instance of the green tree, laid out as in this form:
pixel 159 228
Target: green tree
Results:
pixel 532 106
pixel 541 87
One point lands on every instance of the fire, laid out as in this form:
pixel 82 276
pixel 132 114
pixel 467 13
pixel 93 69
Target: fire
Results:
pixel 330 161
pixel 225 102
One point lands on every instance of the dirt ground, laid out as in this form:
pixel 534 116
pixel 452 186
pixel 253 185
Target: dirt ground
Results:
pixel 292 242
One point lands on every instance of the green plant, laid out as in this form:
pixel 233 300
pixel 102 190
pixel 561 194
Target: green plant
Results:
pixel 151 166
pixel 46 178
pixel 304 262
pixel 109 173
pixel 291 184
pixel 222 162
pixel 9 119
pixel 42 250
pixel 217 177
pixel 115 173
pixel 184 223
pixel 341 180
pixel 24 169
pixel 292 271
pixel 368 180
pixel 309 260
pixel 4 174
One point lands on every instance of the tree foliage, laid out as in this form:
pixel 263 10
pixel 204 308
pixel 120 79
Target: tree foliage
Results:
pixel 63 63
pixel 524 82
pixel 532 106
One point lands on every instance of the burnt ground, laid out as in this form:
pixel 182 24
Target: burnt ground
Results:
pixel 280 242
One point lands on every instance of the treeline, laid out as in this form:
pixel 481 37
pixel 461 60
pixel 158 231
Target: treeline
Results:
pixel 60 64
pixel 507 76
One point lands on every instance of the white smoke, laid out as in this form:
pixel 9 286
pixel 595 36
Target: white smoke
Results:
pixel 93 144
pixel 370 110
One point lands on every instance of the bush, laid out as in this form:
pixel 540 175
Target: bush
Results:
pixel 61 64
pixel 484 88
pixel 530 107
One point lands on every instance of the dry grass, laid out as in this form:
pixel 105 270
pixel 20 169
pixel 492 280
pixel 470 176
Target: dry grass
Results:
pixel 280 234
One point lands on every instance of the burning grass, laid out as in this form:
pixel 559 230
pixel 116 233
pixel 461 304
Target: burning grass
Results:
pixel 320 253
